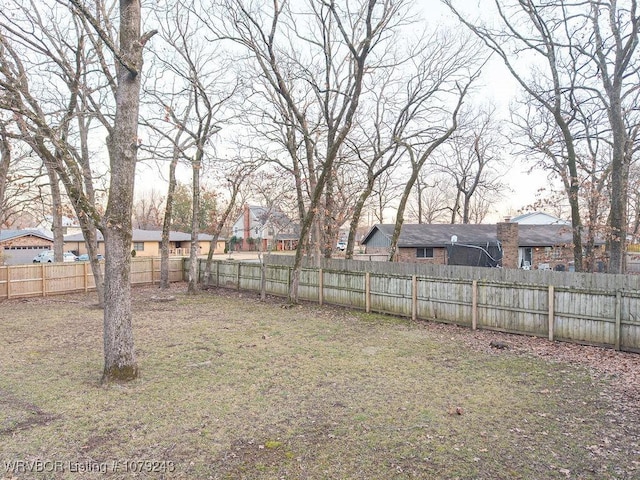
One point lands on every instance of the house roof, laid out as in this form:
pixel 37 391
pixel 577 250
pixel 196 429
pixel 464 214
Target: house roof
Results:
pixel 146 236
pixel 264 215
pixel 11 234
pixel 539 218
pixel 439 235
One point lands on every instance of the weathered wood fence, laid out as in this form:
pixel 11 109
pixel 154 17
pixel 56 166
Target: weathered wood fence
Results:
pixel 594 309
pixel 43 279
pixel 583 308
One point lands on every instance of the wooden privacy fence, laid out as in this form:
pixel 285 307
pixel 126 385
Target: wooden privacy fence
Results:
pixel 599 316
pixel 42 279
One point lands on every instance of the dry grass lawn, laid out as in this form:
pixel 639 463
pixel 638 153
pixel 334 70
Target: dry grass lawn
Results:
pixel 233 388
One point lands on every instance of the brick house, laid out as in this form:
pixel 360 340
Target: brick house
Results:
pixel 506 244
pixel 20 246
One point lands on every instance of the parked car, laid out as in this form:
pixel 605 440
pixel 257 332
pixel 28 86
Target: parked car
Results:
pixel 341 245
pixel 85 257
pixel 48 257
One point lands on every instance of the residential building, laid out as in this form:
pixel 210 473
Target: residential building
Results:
pixel 147 243
pixel 506 244
pixel 20 246
pixel 265 229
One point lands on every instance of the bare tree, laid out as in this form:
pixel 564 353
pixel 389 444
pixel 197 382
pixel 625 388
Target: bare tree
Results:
pixel 23 194
pixel 374 146
pixel 5 161
pixel 634 204
pixel 201 87
pixel 122 144
pixel 435 93
pixel 432 197
pixel 539 36
pixel 314 77
pixel 147 210
pixel 235 179
pixel 474 164
pixel 55 122
pixel 613 49
pixel 65 52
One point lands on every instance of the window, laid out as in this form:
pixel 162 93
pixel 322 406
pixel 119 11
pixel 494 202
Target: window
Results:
pixel 424 252
pixel 138 246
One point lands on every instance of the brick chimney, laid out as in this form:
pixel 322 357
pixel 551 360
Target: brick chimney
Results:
pixel 507 234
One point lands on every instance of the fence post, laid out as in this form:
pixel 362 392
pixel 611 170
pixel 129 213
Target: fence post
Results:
pixel 552 313
pixel 414 297
pixel 238 276
pixel 44 279
pixel 9 282
pixel 320 286
pixel 367 292
pixel 618 319
pixel 474 305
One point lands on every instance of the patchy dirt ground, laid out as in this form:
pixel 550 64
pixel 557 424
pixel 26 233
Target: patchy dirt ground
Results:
pixel 232 387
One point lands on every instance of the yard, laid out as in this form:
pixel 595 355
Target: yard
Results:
pixel 232 387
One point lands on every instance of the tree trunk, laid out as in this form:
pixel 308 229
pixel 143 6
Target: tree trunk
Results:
pixel 393 248
pixel 5 160
pixel 330 233
pixel 619 192
pixel 355 218
pixel 119 355
pixel 56 216
pixel 192 285
pixel 220 225
pixel 166 224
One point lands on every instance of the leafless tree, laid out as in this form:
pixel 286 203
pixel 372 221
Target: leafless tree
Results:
pixel 435 94
pixel 64 36
pixel 41 45
pixel 122 145
pixel 314 76
pixel 201 87
pixel 235 177
pixel 167 143
pixel 5 161
pixel 24 194
pixel 147 210
pixel 634 204
pixel 613 47
pixel 472 160
pixel 432 197
pixel 373 144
